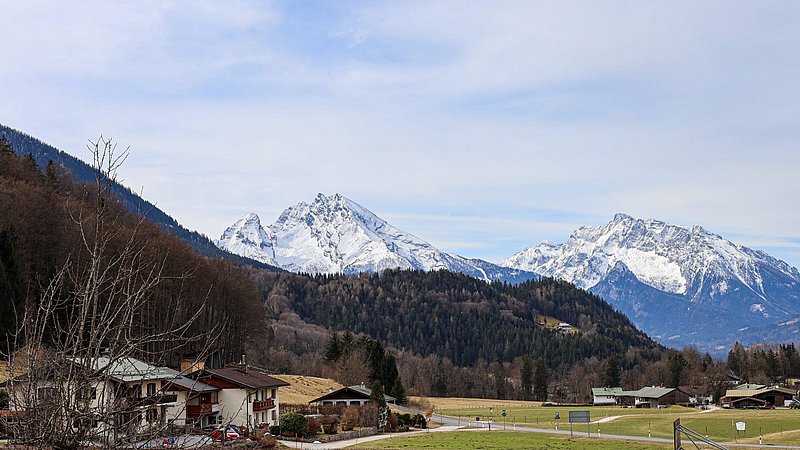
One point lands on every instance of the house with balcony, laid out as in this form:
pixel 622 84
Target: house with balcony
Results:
pixel 196 404
pixel 113 398
pixel 248 395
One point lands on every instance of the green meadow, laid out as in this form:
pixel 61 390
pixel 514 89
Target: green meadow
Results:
pixel 505 440
pixel 780 426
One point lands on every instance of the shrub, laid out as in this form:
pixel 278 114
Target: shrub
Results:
pixel 329 424
pixel 293 424
pixel 314 426
pixel 350 418
pixel 420 421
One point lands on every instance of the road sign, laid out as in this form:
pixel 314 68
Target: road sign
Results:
pixel 579 417
pixel 741 426
pixel 504 413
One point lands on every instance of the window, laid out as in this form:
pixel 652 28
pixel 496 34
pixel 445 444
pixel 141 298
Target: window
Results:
pixel 152 415
pixel 86 394
pixel 273 393
pixel 45 393
pixel 274 414
pixel 151 389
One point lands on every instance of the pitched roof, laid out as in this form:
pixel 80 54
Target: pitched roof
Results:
pixel 736 393
pixel 247 377
pixel 358 389
pixel 749 387
pixel 607 391
pixel 189 384
pixel 651 392
pixel 127 369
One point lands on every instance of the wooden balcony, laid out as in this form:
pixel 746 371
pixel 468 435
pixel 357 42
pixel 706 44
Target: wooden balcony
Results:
pixel 195 411
pixel 263 405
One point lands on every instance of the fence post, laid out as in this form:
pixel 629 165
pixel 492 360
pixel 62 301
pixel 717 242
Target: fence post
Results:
pixel 676 434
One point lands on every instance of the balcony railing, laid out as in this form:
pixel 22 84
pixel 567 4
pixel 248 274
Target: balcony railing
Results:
pixel 157 399
pixel 263 405
pixel 194 411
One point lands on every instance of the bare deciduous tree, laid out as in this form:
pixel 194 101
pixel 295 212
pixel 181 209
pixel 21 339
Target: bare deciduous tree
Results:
pixel 79 343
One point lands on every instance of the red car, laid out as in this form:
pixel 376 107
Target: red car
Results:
pixel 225 434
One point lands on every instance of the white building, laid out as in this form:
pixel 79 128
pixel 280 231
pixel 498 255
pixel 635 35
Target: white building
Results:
pixel 248 395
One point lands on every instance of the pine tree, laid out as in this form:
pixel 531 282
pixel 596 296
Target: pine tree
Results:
pixel 678 370
pixel 527 377
pixel 334 350
pixel 612 373
pixel 540 381
pixel 500 382
pixel 5 146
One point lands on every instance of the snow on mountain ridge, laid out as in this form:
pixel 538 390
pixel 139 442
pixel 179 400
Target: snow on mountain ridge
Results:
pixel 667 257
pixel 334 234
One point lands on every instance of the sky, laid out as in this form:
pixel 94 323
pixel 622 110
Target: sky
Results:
pixel 482 127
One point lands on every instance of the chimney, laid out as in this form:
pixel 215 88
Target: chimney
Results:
pixel 330 389
pixel 362 385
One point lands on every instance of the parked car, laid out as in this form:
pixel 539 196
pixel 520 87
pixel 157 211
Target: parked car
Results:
pixel 228 433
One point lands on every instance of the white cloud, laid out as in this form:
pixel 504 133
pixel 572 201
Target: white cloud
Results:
pixel 499 124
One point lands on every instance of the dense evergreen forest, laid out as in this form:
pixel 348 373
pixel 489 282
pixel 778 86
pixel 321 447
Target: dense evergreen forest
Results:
pixel 465 319
pixel 46 221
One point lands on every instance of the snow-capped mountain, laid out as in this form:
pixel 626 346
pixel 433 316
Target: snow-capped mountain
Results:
pixel 334 234
pixel 673 282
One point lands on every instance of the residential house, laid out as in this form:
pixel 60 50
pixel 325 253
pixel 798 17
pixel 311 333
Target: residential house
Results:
pixel 248 396
pixel 197 403
pixel 606 396
pixel 698 395
pixel 349 395
pixel 654 397
pixel 124 396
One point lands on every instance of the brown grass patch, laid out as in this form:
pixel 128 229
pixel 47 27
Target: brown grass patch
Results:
pixel 461 403
pixel 303 389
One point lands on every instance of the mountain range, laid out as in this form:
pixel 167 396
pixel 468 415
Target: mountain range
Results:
pixel 683 286
pixel 680 285
pixel 333 234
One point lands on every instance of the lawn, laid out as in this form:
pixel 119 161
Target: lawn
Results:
pixel 544 416
pixel 505 440
pixel 780 426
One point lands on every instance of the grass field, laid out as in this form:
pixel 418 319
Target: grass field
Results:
pixel 504 440
pixel 303 388
pixel 781 426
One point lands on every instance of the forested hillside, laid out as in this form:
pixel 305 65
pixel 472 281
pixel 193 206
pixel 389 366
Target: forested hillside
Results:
pixel 48 232
pixel 80 172
pixel 464 319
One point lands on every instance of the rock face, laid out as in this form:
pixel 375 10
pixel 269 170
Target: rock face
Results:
pixel 680 285
pixel 336 235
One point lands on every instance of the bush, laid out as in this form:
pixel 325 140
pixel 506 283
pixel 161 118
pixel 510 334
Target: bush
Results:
pixel 314 426
pixel 393 421
pixel 267 442
pixel 329 424
pixel 350 418
pixel 420 421
pixel 294 424
pixel 275 430
pixel 404 420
